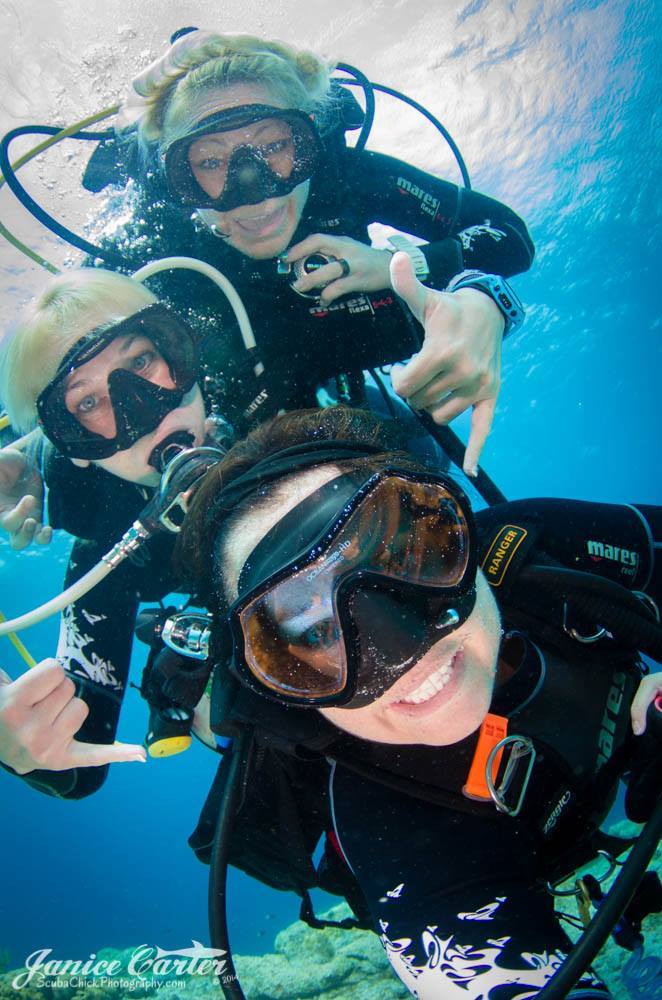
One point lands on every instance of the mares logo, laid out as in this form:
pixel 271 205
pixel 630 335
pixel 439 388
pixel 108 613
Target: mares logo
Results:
pixel 501 552
pixel 429 203
pixel 610 718
pixel 257 402
pixel 628 560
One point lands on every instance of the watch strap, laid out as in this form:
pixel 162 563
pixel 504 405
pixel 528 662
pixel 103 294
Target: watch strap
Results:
pixel 498 289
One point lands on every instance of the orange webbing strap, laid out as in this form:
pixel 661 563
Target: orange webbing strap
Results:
pixel 493 729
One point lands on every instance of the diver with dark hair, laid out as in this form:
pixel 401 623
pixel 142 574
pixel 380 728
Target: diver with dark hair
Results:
pixel 245 166
pixel 420 684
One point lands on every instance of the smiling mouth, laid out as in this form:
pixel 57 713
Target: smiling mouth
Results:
pixel 430 686
pixel 262 223
pixel 437 688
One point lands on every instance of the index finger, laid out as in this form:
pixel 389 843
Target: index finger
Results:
pixel 13 518
pixel 482 416
pixel 316 243
pixel 81 754
pixel 37 683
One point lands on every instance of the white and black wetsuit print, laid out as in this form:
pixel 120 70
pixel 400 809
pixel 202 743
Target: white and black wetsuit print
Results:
pixel 76 647
pixel 93 645
pixel 454 897
pixel 469 237
pixel 467 965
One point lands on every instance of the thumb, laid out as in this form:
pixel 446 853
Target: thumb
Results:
pixel 482 416
pixel 4 677
pixel 407 286
pixel 96 754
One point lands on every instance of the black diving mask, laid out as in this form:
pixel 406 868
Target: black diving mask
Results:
pixel 352 587
pixel 242 156
pixel 92 413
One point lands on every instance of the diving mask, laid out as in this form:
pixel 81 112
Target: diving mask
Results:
pixel 118 383
pixel 352 587
pixel 242 156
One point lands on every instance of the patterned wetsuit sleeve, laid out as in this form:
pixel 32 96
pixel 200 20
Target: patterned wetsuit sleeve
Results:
pixel 465 229
pixel 454 897
pixel 96 635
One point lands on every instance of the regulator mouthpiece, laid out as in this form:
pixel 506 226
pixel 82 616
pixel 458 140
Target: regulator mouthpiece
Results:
pixel 167 449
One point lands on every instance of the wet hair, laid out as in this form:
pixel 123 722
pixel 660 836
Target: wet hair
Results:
pixel 73 304
pixel 203 60
pixel 203 543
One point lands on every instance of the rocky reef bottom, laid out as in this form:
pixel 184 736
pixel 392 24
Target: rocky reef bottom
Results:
pixel 307 964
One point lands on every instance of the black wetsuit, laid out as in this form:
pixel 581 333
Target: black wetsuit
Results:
pixel 452 896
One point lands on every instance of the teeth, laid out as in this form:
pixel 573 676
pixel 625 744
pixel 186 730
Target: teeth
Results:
pixel 430 686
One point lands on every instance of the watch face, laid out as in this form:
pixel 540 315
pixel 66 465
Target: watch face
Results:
pixel 508 301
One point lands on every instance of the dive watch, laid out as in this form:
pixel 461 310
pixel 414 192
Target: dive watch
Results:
pixel 498 290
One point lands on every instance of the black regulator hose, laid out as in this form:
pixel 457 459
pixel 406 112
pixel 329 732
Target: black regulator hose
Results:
pixel 369 88
pixel 218 922
pixel 361 80
pixel 610 910
pixel 110 257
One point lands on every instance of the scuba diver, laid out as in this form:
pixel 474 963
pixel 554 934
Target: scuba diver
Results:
pixel 391 668
pixel 242 162
pixel 115 392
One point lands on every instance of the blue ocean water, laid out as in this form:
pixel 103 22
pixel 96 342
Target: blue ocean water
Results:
pixel 556 108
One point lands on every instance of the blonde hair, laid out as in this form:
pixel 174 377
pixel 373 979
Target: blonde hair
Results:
pixel 75 303
pixel 203 60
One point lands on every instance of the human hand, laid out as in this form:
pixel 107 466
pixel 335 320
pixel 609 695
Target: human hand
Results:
pixel 649 690
pixel 21 501
pixel 39 717
pixel 368 268
pixel 459 364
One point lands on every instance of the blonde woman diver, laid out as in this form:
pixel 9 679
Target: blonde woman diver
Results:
pixel 110 375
